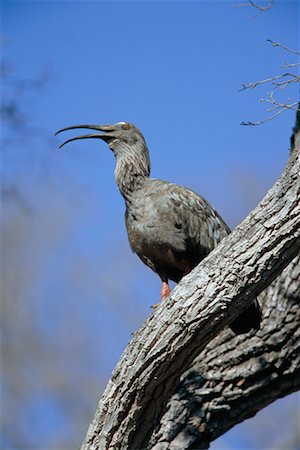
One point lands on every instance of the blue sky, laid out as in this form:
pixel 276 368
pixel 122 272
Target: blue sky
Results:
pixel 175 70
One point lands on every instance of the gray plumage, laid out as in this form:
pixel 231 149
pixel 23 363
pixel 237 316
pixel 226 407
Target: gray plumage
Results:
pixel 171 228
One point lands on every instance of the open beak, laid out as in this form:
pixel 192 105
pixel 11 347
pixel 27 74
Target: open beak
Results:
pixel 107 137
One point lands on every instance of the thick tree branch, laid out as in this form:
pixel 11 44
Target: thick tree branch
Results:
pixel 203 303
pixel 236 376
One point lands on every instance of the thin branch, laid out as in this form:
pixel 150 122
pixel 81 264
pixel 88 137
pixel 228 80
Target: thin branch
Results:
pixel 279 83
pixel 283 84
pixel 265 120
pixel 294 79
pixel 277 44
pixel 288 65
pixel 262 8
pixel 277 105
pixel 255 5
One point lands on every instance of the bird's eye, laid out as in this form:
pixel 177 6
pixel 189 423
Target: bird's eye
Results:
pixel 126 126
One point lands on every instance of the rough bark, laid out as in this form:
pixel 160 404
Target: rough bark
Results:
pixel 236 376
pixel 203 303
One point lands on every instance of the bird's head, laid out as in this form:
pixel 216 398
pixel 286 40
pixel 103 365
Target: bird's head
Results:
pixel 121 137
pixel 130 149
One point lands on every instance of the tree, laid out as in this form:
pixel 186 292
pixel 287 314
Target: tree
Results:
pixel 182 381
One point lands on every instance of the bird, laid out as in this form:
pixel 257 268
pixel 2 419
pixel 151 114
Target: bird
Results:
pixel 171 228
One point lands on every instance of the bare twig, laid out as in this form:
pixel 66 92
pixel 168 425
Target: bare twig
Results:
pixel 265 120
pixel 277 106
pixel 255 5
pixel 293 79
pixel 277 44
pixel 262 8
pixel 278 83
pixel 283 107
pixel 287 65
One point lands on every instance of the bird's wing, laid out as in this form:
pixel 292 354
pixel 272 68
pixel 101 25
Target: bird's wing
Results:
pixel 202 226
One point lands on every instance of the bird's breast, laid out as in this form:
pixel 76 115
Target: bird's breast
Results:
pixel 155 240
pixel 149 228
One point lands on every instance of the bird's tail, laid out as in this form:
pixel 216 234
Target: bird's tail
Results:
pixel 248 319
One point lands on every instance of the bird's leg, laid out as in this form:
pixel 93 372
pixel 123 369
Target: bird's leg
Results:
pixel 165 290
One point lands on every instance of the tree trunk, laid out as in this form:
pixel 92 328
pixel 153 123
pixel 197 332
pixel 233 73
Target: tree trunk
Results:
pixel 222 387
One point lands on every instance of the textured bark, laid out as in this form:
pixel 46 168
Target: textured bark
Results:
pixel 236 376
pixel 203 303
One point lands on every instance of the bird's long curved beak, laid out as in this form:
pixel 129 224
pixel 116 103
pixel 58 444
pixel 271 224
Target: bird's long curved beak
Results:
pixel 105 137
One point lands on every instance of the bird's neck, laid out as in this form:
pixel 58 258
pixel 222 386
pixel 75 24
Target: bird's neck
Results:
pixel 131 172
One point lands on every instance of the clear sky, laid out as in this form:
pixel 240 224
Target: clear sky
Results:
pixel 174 68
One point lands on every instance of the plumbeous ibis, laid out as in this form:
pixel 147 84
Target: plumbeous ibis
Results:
pixel 171 228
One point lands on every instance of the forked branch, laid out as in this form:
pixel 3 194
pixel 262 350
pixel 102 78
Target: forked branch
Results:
pixel 278 83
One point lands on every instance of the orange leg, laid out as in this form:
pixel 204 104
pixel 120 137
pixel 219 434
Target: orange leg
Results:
pixel 165 290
